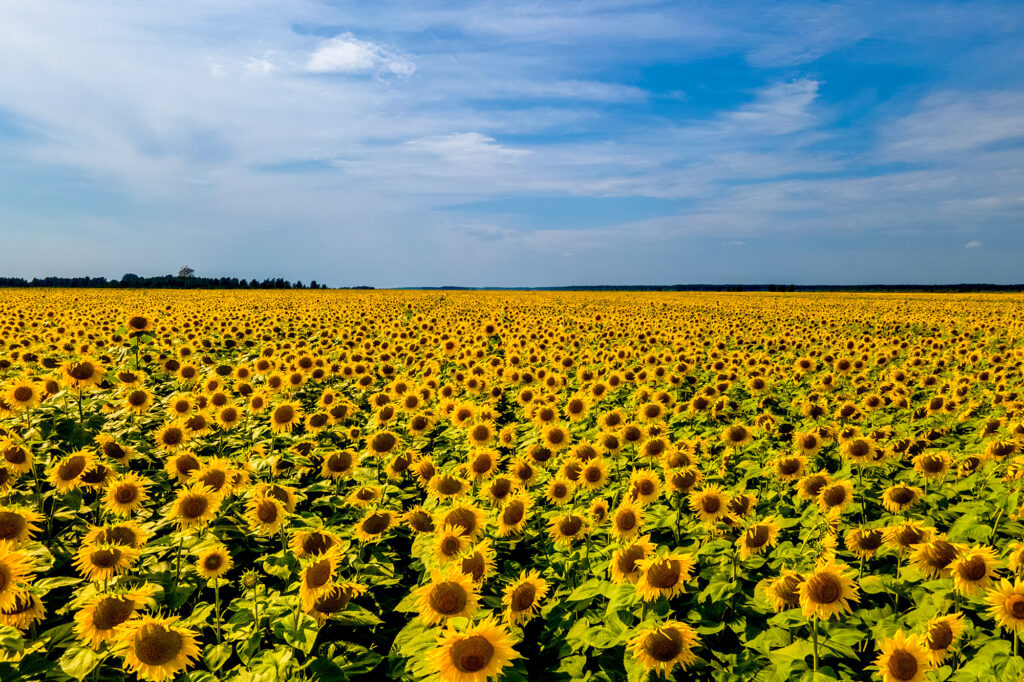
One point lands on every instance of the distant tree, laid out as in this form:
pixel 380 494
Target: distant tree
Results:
pixel 313 284
pixel 186 272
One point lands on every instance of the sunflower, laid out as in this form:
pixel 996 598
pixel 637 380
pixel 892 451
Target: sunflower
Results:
pixel 373 525
pixel 139 324
pixel 566 528
pixel 126 533
pixel 599 511
pixel 624 568
pixel 26 611
pixel 594 474
pixel 110 447
pixel 15 568
pixel 973 570
pixel 644 486
pixel 382 443
pixel 126 494
pixel 195 507
pixel 941 636
pixel 334 599
pixel 317 576
pixel 418 520
pixel 450 543
pixel 737 436
pixel 364 496
pixel 467 516
pixel 103 562
pixel 758 538
pixel 784 592
pixel 500 488
pixel 559 491
pixel 809 487
pixel 835 497
pixel 265 514
pixel 522 598
pixel 827 591
pixel 282 493
pixel 449 594
pixel 807 443
pixel 483 463
pixel 448 486
pixel 864 542
pixel 934 557
pixel 903 659
pixel 627 520
pixel 23 395
pixel 476 655
pixel 17 525
pixel 660 648
pixel 100 617
pixel 307 543
pixel 156 648
pixel 932 464
pixel 479 563
pixel 789 468
pixel 513 515
pixel 710 504
pixel 214 562
pixel 1007 605
pixel 859 450
pixel 664 575
pixel 82 373
pixel 899 498
pixel 16 458
pixel 284 417
pixel 68 472
pixel 171 436
pixel 339 464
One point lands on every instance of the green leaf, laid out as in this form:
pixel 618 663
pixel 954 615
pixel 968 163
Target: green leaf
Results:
pixel 216 656
pixel 11 639
pixel 79 661
pixel 298 629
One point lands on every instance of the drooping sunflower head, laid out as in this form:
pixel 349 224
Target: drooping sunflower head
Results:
pixel 627 520
pixel 864 542
pixel 973 570
pixel 17 524
pixel 758 538
pixel 941 636
pixel 568 528
pixel 644 486
pixel 624 567
pixel 784 591
pixel 307 543
pixel 664 576
pixel 103 562
pixel 710 503
pixel 67 473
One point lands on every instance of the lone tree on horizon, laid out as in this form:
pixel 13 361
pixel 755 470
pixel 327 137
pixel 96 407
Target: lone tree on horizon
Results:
pixel 186 272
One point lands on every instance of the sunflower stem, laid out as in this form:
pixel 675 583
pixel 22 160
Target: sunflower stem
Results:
pixel 177 567
pixel 216 605
pixel 814 640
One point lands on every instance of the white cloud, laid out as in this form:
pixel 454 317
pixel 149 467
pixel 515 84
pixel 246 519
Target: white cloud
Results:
pixel 462 147
pixel 780 108
pixel 259 66
pixel 348 54
pixel 955 122
pixel 973 244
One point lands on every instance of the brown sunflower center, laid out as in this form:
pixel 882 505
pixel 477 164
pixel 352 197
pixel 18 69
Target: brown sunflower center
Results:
pixel 471 654
pixel 625 520
pixel 266 511
pixel 474 566
pixel 940 554
pixel 339 462
pixel 375 524
pixel 22 394
pixel 12 525
pixel 627 559
pixel 72 468
pixel 663 645
pixel 448 598
pixel 1015 605
pixel 870 539
pixel 901 495
pixel 193 506
pixel 284 414
pixel 902 665
pixel 16 454
pixel 318 574
pixel 710 504
pixel 570 525
pixel 213 562
pixel 663 574
pixel 384 442
pixel 316 543
pixel 513 513
pixel 824 588
pixel 111 612
pixel 482 463
pixel 973 569
pixel 82 371
pixel 126 493
pixel 461 517
pixel 757 537
pixel 940 636
pixel 333 602
pixel 104 558
pixel 833 496
pixel 523 596
pixel 157 645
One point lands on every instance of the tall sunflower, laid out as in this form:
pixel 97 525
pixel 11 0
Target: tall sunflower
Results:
pixel 827 591
pixel 664 575
pixel 449 594
pixel 522 598
pixel 903 659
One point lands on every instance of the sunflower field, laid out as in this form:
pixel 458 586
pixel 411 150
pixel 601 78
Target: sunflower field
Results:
pixel 471 486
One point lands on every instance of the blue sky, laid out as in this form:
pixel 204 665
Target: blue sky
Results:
pixel 402 143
